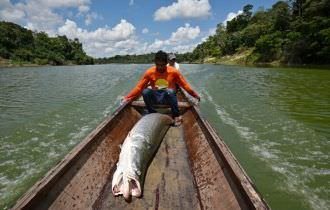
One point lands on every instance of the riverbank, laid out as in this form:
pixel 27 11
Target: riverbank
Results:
pixel 238 59
pixel 242 58
pixel 8 63
pixel 11 63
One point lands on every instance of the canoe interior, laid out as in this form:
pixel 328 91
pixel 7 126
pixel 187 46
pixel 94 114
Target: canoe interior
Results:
pixel 193 169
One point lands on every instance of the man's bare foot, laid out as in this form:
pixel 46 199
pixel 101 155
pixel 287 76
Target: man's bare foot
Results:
pixel 177 121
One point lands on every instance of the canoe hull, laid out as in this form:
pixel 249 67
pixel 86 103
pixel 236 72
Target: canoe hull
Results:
pixel 193 169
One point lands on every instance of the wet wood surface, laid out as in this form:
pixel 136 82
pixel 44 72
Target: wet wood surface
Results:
pixel 214 187
pixel 168 183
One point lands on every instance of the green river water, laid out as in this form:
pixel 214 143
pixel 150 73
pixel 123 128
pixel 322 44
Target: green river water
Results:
pixel 275 121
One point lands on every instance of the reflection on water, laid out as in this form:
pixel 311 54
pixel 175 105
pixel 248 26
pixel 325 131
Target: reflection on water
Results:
pixel 276 122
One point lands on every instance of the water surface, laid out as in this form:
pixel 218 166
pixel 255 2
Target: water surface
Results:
pixel 275 121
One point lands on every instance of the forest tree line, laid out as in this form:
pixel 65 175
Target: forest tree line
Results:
pixel 291 32
pixel 22 45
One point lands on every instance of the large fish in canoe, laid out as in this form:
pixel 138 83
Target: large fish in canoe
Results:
pixel 136 153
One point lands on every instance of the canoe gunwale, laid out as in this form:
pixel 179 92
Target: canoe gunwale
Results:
pixel 236 172
pixel 37 191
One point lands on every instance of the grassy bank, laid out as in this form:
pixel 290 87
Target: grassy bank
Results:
pixel 244 58
pixel 12 63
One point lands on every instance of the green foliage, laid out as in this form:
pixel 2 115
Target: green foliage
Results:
pixel 241 21
pixel 14 38
pixel 40 61
pixel 22 54
pixel 23 45
pixel 324 36
pixel 268 47
pixel 232 43
pixel 291 32
pixel 280 16
pixel 252 33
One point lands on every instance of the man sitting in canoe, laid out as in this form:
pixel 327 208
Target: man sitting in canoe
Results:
pixel 172 61
pixel 162 79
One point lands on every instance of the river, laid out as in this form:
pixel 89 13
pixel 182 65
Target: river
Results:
pixel 276 122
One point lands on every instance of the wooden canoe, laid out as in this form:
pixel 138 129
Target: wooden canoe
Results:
pixel 193 169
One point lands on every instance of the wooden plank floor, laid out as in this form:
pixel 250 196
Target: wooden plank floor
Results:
pixel 168 183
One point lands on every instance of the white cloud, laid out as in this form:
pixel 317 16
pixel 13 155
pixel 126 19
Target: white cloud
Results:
pixel 167 47
pixel 185 33
pixel 184 48
pixel 92 16
pixel 121 31
pixel 211 32
pixel 40 15
pixel 121 39
pixel 131 3
pixel 49 21
pixel 125 47
pixel 182 40
pixel 10 12
pixel 70 29
pixel 88 20
pixel 83 8
pixel 62 3
pixel 145 31
pixel 184 9
pixel 103 40
pixel 157 45
pixel 231 16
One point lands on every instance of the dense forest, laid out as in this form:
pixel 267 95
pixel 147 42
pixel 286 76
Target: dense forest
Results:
pixel 21 45
pixel 291 32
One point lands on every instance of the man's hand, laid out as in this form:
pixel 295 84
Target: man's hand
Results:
pixel 196 102
pixel 123 100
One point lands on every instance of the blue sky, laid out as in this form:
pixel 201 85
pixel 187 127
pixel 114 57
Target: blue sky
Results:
pixel 108 27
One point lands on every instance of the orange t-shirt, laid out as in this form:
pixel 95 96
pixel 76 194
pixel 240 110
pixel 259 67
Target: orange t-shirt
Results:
pixel 159 81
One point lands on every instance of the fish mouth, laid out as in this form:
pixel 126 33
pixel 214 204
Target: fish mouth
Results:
pixel 127 186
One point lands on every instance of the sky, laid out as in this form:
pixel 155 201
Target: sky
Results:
pixel 119 27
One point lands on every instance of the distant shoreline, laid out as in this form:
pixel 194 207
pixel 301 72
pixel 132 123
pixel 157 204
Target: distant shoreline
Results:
pixel 241 59
pixel 228 60
pixel 7 63
pixel 271 65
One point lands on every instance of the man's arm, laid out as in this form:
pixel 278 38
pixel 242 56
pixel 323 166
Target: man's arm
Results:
pixel 136 91
pixel 183 83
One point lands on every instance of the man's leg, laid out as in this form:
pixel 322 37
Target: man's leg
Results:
pixel 172 100
pixel 149 99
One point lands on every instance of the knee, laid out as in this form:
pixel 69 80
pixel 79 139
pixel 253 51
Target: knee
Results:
pixel 146 92
pixel 170 92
